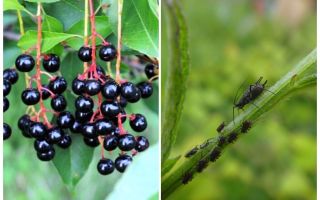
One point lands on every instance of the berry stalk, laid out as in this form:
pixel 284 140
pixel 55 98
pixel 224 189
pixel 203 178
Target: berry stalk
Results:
pixel 118 77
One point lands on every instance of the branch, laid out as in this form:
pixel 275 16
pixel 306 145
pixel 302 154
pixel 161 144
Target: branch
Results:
pixel 298 78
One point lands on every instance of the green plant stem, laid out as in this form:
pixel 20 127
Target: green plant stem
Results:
pixel 294 80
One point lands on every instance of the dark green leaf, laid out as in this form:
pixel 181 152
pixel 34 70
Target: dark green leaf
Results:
pixel 51 24
pixel 139 28
pixel 49 40
pixel 175 87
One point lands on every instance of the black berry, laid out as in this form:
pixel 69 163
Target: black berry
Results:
pixel 76 127
pixel 30 96
pixel 84 104
pixel 146 89
pixel 142 143
pixel 6 104
pixel 55 135
pixel 107 52
pixel 65 142
pixel 11 75
pixel 110 109
pixel 24 123
pixel 25 63
pixel 58 85
pixel 110 90
pixel 138 122
pixel 51 62
pixel 92 87
pixel 88 130
pixel 38 130
pixel 78 86
pixel 104 127
pixel 65 120
pixel 151 70
pixel 6 131
pixel 91 142
pixel 85 54
pixel 58 103
pixel 122 162
pixel 127 142
pixel 110 142
pixel 42 146
pixel 46 156
pixel 105 166
pixel 83 117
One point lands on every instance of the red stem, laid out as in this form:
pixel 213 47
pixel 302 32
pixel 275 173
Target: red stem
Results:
pixel 93 66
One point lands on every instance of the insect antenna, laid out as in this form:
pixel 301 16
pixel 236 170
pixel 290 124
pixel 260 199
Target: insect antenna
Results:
pixel 259 80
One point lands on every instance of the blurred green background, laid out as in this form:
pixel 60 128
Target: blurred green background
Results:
pixel 25 177
pixel 235 41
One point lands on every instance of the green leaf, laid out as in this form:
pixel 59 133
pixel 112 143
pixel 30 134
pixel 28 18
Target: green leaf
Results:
pixel 12 5
pixel 178 71
pixel 49 39
pixel 103 27
pixel 154 7
pixel 43 1
pixel 51 24
pixel 148 177
pixel 139 28
pixel 169 164
pixel 72 163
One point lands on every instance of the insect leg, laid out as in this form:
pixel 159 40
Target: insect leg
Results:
pixel 258 81
pixel 269 91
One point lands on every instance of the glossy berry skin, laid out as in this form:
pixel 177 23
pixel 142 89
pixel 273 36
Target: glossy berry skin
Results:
pixel 88 130
pixel 122 162
pixel 142 143
pixel 42 146
pixel 92 87
pixel 51 62
pixel 55 135
pixel 65 120
pixel 76 127
pixel 58 103
pixel 6 87
pixel 129 90
pixel 11 75
pixel 138 122
pixel 146 89
pixel 107 52
pixel 105 166
pixel 127 142
pixel 136 97
pixel 25 63
pixel 6 104
pixel 104 127
pixel 58 85
pixel 123 117
pixel 100 70
pixel 65 142
pixel 91 142
pixel 46 156
pixel 110 109
pixel 6 131
pixel 110 90
pixel 30 96
pixel 45 94
pixel 110 142
pixel 116 132
pixel 24 123
pixel 151 70
pixel 85 54
pixel 78 86
pixel 83 117
pixel 123 102
pixel 38 130
pixel 84 104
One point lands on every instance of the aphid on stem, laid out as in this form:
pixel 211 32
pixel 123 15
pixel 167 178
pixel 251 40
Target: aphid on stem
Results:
pixel 215 154
pixel 246 125
pixel 233 136
pixel 190 153
pixel 186 178
pixel 221 141
pixel 220 127
pixel 202 164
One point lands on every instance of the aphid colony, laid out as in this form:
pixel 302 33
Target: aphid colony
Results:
pixel 250 94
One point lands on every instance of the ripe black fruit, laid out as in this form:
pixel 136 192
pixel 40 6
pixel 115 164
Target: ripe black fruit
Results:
pixel 30 96
pixel 83 117
pixel 110 90
pixel 127 142
pixel 146 89
pixel 38 130
pixel 42 146
pixel 58 103
pixel 78 86
pixel 76 127
pixel 215 154
pixel 84 104
pixel 92 87
pixel 186 178
pixel 110 109
pixel 110 142
pixel 46 156
pixel 88 130
pixel 142 143
pixel 24 123
pixel 85 54
pixel 6 131
pixel 122 162
pixel 128 90
pixel 45 94
pixel 151 70
pixel 104 127
pixel 25 63
pixel 91 142
pixel 58 85
pixel 51 62
pixel 55 135
pixel 11 75
pixel 138 123
pixel 105 166
pixel 65 120
pixel 107 52
pixel 65 142
pixel 6 104
pixel 6 87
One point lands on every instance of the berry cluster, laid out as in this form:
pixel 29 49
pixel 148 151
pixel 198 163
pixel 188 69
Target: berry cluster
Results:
pixel 101 122
pixel 10 77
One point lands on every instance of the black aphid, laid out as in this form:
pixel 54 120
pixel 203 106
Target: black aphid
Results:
pixel 250 94
pixel 221 141
pixel 215 154
pixel 204 145
pixel 187 177
pixel 190 153
pixel 233 136
pixel 220 127
pixel 202 164
pixel 246 125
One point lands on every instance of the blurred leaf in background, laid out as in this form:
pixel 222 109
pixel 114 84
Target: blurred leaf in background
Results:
pixel 235 41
